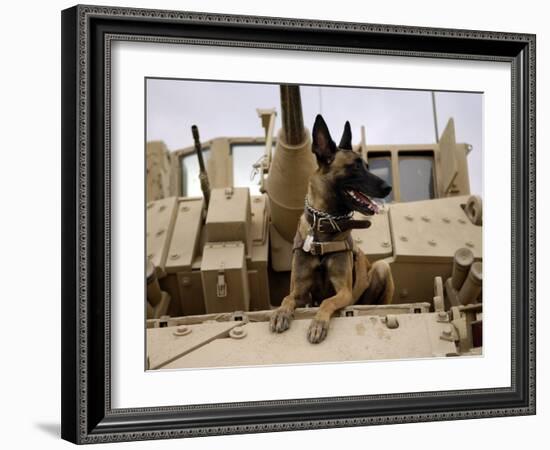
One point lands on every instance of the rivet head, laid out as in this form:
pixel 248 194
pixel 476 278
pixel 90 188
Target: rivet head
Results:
pixel 409 217
pixel 432 243
pixel 470 244
pixel 182 331
pixel 462 221
pixel 150 205
pixel 447 332
pixel 385 244
pixel 446 220
pixel 358 240
pixel 162 208
pixel 425 218
pixel 174 256
pixel 403 238
pixel 184 208
pixel 150 255
pixel 237 333
pixel 159 232
pixel 404 293
pixel 442 315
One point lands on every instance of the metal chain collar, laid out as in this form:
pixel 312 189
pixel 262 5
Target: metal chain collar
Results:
pixel 326 215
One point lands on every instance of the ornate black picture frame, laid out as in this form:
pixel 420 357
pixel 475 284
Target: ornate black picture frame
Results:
pixel 87 33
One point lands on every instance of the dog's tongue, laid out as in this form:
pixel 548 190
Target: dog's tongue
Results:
pixel 371 203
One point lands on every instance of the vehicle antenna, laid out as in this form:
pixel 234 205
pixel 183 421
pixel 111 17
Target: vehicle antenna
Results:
pixel 435 118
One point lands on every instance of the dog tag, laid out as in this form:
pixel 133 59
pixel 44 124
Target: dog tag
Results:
pixel 307 243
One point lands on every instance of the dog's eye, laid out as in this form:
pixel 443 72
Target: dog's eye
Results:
pixel 359 163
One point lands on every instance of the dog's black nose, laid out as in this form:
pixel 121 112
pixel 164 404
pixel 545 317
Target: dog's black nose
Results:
pixel 385 188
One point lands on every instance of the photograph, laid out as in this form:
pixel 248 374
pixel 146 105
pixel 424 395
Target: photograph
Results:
pixel 293 223
pixel 298 224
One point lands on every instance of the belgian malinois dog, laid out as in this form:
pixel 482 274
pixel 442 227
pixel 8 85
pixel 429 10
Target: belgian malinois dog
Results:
pixel 326 266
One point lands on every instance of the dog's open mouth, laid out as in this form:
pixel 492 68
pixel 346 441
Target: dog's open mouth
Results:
pixel 362 202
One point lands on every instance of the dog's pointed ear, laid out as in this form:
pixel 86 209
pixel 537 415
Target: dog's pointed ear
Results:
pixel 345 142
pixel 323 146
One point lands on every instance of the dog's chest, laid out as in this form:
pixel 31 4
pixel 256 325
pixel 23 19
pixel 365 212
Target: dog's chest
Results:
pixel 322 286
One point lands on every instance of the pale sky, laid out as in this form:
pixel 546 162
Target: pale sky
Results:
pixel 389 116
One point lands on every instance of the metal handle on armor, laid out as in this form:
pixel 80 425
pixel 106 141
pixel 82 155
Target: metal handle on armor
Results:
pixel 221 287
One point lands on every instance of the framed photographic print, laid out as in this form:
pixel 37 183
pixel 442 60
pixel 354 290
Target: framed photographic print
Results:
pixel 253 206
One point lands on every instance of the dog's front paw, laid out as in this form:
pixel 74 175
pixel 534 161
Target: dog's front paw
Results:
pixel 317 331
pixel 280 321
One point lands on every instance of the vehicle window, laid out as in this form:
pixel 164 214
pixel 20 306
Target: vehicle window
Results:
pixel 244 157
pixel 380 165
pixel 191 185
pixel 416 177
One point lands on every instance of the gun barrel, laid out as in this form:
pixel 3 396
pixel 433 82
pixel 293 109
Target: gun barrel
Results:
pixel 203 175
pixel 291 114
pixel 292 164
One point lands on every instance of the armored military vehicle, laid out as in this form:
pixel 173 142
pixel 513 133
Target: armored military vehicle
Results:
pixel 218 255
